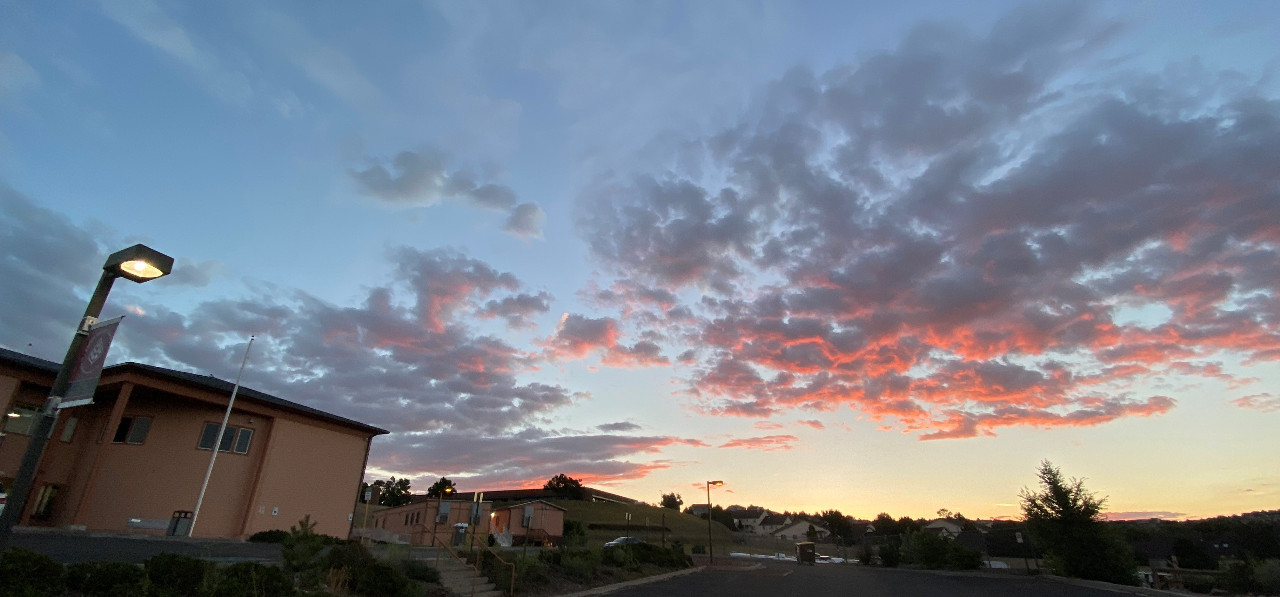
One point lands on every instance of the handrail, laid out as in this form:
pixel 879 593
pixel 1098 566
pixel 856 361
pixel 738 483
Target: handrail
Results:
pixel 512 589
pixel 464 563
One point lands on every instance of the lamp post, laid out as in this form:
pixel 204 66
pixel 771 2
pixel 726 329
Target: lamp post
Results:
pixel 711 558
pixel 138 263
pixel 435 526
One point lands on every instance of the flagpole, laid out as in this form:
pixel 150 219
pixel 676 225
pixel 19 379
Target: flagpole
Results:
pixel 217 442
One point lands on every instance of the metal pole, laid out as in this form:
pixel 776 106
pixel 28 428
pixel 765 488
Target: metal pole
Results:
pixel 49 414
pixel 218 441
pixel 710 557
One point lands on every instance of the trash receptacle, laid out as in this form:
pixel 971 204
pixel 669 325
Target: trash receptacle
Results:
pixel 180 524
pixel 806 553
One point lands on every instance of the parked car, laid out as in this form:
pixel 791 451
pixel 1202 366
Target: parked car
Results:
pixel 624 541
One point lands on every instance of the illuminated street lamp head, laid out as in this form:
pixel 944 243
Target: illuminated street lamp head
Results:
pixel 716 483
pixel 447 490
pixel 139 263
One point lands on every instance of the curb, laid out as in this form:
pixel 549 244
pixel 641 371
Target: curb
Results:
pixel 631 583
pixel 1106 586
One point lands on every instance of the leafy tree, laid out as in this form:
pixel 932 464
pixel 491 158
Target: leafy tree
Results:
pixel 438 488
pixel 672 500
pixel 393 492
pixel 565 486
pixel 812 533
pixel 724 517
pixel 1066 520
pixel 885 525
pixel 841 526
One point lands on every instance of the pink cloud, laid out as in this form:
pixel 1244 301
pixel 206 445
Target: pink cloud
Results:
pixel 768 443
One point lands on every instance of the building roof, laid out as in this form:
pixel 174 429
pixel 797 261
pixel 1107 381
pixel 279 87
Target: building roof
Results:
pixel 206 382
pixel 523 504
pixel 515 495
pixel 775 520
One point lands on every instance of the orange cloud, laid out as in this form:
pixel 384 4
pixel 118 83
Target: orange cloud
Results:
pixel 768 443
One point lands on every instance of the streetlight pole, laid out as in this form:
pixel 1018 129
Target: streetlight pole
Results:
pixel 138 263
pixel 435 526
pixel 711 558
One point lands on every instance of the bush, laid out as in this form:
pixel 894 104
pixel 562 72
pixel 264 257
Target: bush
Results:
pixel 1266 575
pixel 925 549
pixel 421 571
pixel 272 536
pixel 377 579
pixel 30 574
pixel 251 579
pixel 578 564
pixel 173 575
pixel 347 555
pixel 890 555
pixel 1239 578
pixel 105 579
pixel 960 557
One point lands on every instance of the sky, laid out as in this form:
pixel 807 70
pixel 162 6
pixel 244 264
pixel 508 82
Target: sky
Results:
pixel 874 257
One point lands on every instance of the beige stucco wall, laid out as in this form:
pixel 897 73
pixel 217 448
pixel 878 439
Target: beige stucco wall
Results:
pixel 164 474
pixel 309 469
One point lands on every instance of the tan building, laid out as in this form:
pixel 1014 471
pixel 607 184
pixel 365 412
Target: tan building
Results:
pixel 139 453
pixel 432 522
pixel 533 523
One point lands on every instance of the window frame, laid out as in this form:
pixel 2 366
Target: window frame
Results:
pixel 230 442
pixel 26 413
pixel 127 429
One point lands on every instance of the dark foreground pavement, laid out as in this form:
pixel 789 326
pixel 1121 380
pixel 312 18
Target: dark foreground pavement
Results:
pixel 777 579
pixel 70 548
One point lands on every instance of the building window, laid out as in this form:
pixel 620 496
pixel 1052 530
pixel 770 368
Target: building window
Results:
pixel 20 419
pixel 234 439
pixel 132 430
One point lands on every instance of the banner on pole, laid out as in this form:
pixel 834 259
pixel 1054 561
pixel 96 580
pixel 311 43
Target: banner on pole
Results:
pixel 88 368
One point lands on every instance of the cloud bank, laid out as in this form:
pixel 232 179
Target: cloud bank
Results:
pixel 953 236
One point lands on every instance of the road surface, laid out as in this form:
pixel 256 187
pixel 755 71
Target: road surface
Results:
pixel 775 579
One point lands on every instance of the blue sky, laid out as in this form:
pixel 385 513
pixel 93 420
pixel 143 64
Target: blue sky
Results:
pixel 842 255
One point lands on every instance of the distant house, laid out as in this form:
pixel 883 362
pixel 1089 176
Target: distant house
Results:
pixel 772 522
pixel 699 510
pixel 799 531
pixel 747 520
pixel 944 527
pixel 538 522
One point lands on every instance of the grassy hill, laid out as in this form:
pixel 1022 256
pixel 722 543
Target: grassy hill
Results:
pixel 646 523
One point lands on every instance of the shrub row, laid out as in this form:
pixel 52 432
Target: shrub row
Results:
pixel 30 574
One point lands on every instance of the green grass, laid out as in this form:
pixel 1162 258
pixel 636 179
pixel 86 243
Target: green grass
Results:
pixel 685 528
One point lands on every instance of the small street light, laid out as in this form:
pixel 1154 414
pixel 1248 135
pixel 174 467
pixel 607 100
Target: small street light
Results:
pixel 138 263
pixel 711 558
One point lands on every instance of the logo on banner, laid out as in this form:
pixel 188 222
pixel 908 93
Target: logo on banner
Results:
pixel 88 367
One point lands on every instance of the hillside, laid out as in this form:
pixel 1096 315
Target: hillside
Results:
pixel 646 523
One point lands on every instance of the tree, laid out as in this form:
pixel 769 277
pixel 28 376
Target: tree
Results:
pixel 567 487
pixel 437 489
pixel 1066 521
pixel 840 525
pixel 393 492
pixel 672 500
